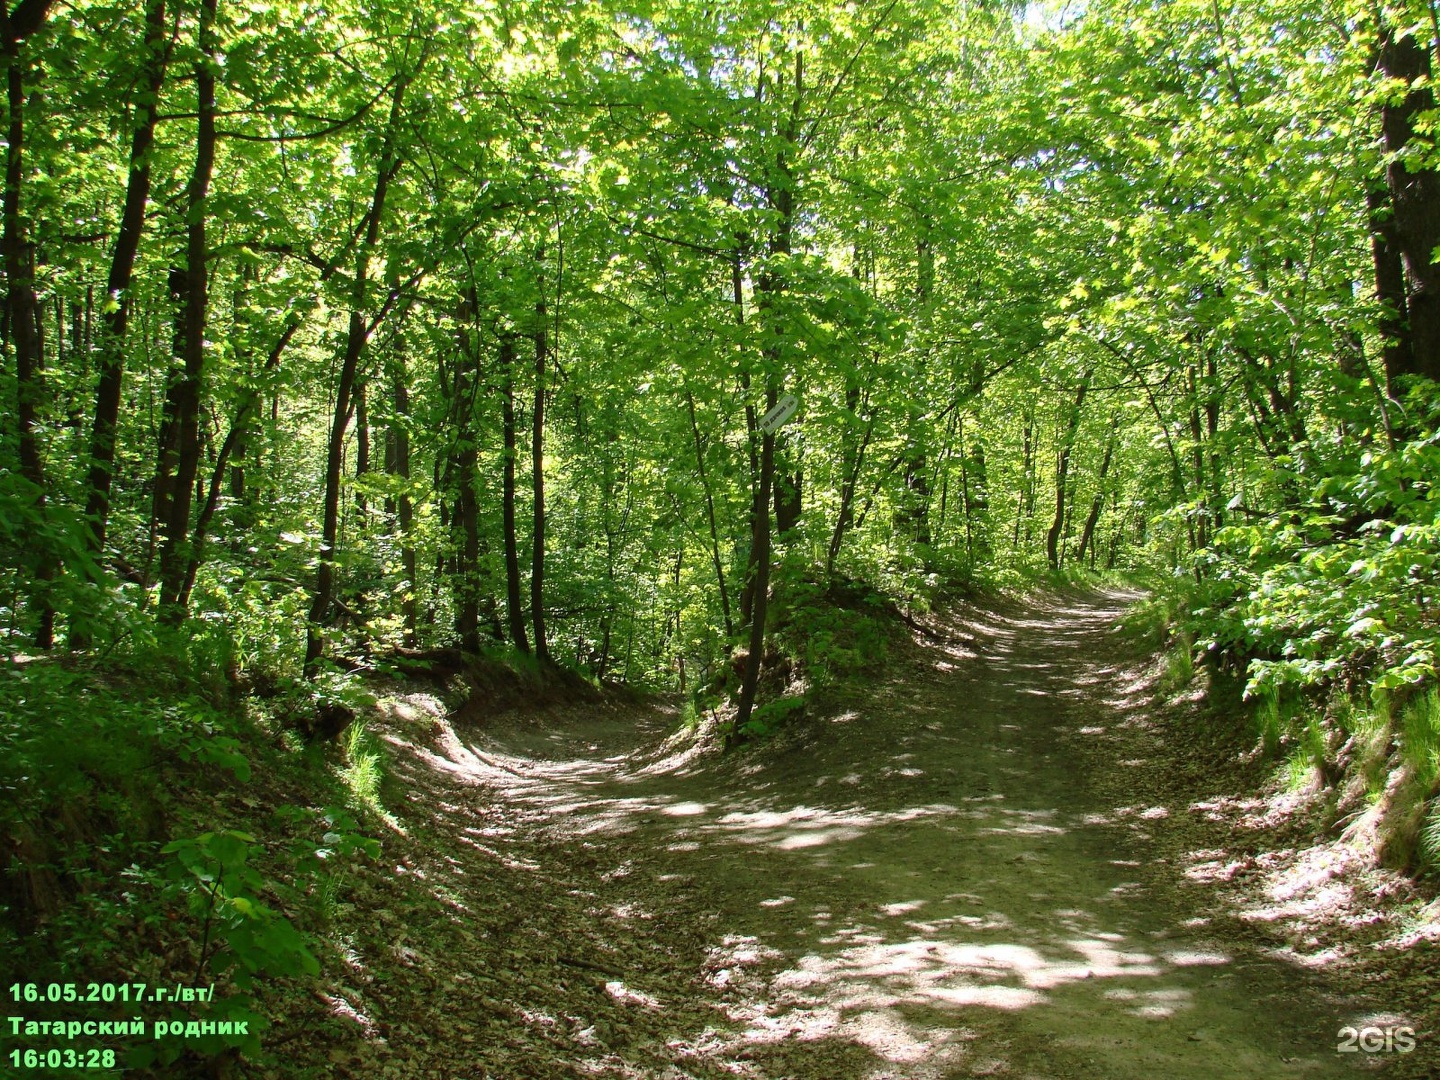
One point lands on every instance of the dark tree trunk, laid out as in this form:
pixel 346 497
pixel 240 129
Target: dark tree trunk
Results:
pixel 462 473
pixel 537 477
pixel 914 512
pixel 515 613
pixel 1062 472
pixel 781 196
pixel 239 304
pixel 467 563
pixel 853 458
pixel 752 434
pixel 362 447
pixel 977 497
pixel 1396 348
pixel 174 557
pixel 1087 534
pixel 117 288
pixel 750 678
pixel 1414 199
pixel 789 482
pixel 21 309
pixel 167 443
pixel 400 403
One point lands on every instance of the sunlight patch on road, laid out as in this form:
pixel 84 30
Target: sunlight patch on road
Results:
pixel 1196 958
pixel 904 907
pixel 925 967
pixel 861 991
pixel 684 809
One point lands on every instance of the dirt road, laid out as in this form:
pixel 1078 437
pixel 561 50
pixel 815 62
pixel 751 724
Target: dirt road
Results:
pixel 924 885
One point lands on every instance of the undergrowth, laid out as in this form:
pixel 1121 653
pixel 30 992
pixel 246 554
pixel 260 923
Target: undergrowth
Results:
pixel 158 827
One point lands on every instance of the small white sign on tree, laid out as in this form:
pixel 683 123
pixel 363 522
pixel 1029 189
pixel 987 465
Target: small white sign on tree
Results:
pixel 784 409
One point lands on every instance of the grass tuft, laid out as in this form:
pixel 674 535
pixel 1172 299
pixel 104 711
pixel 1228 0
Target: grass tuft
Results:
pixel 364 769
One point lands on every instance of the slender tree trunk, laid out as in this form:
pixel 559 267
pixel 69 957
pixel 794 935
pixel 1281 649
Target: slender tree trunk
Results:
pixel 1197 460
pixel 1062 471
pixel 514 610
pixel 167 443
pixel 752 432
pixel 462 471
pixel 117 289
pixel 781 196
pixel 467 568
pixel 914 512
pixel 852 459
pixel 362 447
pixel 20 310
pixel 1087 534
pixel 789 487
pixel 750 679
pixel 174 557
pixel 239 305
pixel 537 476
pixel 356 334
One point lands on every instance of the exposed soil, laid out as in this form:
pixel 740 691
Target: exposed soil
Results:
pixel 988 865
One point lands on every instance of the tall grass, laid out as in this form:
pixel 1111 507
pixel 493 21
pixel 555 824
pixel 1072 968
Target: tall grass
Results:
pixel 1420 737
pixel 1269 724
pixel 364 769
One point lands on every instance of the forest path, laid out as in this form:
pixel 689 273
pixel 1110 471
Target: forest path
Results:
pixel 925 885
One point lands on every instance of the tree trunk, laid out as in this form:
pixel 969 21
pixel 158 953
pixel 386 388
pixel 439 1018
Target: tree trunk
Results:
pixel 852 459
pixel 1087 534
pixel 398 463
pixel 20 311
pixel 117 289
pixel 467 562
pixel 1396 348
pixel 362 447
pixel 1414 198
pixel 1062 471
pixel 167 443
pixel 514 611
pixel 174 557
pixel 789 484
pixel 750 679
pixel 781 197
pixel 914 513
pixel 977 497
pixel 537 476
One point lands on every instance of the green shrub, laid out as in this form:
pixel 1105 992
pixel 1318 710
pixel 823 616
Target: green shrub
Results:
pixel 770 717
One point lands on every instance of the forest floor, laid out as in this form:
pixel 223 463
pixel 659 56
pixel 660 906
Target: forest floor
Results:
pixel 1004 858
